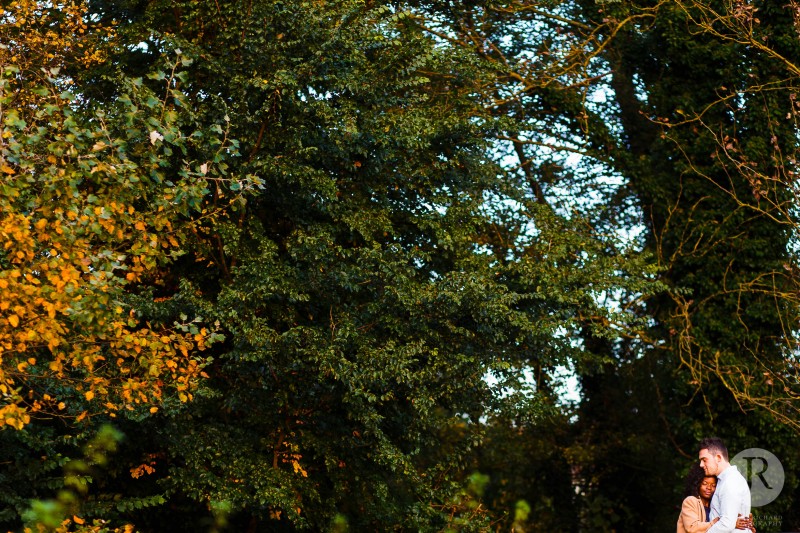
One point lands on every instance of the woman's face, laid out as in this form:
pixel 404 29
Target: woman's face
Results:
pixel 707 487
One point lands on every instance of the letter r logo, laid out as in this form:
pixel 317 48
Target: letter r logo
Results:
pixel 763 472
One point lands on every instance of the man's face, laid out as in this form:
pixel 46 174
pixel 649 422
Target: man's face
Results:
pixel 709 462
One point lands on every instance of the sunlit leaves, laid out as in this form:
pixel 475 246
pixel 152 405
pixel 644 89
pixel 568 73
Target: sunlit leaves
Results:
pixel 93 202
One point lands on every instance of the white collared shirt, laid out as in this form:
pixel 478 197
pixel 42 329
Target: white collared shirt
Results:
pixel 731 499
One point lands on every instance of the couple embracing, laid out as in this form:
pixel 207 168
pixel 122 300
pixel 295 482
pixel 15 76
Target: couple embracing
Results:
pixel 717 495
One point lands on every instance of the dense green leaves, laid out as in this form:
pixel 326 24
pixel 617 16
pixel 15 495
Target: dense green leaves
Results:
pixel 403 223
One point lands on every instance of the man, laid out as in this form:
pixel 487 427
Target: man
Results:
pixel 732 497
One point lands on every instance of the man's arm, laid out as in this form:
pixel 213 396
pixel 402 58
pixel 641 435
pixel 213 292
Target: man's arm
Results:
pixel 730 503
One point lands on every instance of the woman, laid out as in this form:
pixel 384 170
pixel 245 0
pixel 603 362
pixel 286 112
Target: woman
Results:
pixel 697 504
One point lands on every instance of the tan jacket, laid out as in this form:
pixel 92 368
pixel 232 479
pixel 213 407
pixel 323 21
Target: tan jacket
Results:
pixel 693 516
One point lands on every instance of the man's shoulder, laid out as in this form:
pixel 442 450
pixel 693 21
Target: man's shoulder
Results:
pixel 730 473
pixel 736 476
pixel 736 485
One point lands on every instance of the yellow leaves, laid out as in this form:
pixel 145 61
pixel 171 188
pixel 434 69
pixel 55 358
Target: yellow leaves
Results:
pixel 68 274
pixel 299 469
pixel 126 387
pixel 71 251
pixel 50 309
pixel 16 423
pixel 44 39
pixel 14 416
pixel 78 520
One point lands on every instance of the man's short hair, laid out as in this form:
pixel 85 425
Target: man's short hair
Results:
pixel 715 446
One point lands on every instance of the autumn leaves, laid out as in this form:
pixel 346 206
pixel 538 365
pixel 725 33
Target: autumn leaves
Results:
pixel 89 209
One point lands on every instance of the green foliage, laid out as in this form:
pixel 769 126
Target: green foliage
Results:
pixel 95 198
pixel 57 513
pixel 368 216
pixel 362 310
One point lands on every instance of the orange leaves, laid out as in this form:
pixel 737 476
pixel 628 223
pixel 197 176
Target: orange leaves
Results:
pixel 292 456
pixel 13 416
pixel 70 258
pixel 139 471
pixel 88 208
pixel 298 469
pixel 81 525
pixel 49 35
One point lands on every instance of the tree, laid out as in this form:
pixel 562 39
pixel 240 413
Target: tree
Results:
pixel 429 208
pixel 94 202
pixel 718 241
pixel 644 92
pixel 361 305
